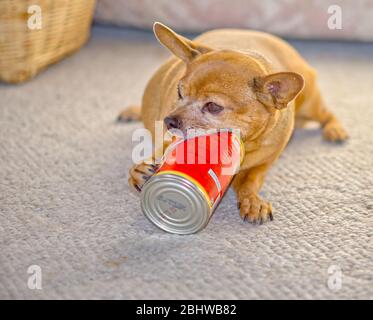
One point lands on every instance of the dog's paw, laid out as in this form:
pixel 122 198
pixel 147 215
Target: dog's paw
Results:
pixel 141 173
pixel 255 210
pixel 130 114
pixel 334 132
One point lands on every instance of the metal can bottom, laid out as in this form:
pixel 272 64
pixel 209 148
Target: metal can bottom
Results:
pixel 175 204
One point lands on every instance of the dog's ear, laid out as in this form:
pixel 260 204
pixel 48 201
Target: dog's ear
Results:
pixel 278 89
pixel 181 47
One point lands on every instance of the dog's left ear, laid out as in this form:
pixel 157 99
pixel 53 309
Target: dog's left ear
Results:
pixel 278 89
pixel 181 47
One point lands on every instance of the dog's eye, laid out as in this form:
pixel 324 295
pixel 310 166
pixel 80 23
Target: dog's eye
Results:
pixel 212 108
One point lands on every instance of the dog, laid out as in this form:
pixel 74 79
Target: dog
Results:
pixel 231 78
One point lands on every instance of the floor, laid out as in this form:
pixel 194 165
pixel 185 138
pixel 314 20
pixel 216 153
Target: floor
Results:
pixel 65 206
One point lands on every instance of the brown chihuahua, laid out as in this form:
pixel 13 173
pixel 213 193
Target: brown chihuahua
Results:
pixel 241 79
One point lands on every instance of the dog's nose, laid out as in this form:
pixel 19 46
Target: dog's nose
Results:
pixel 172 122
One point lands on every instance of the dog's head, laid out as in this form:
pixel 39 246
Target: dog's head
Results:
pixel 225 89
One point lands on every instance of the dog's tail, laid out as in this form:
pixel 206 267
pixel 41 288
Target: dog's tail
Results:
pixel 130 114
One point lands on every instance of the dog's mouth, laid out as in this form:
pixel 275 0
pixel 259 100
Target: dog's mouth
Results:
pixel 191 132
pixel 197 131
pixel 179 133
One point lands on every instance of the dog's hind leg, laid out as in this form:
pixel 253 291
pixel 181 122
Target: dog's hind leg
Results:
pixel 130 114
pixel 313 108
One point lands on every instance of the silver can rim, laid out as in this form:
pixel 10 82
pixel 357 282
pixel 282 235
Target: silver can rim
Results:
pixel 193 194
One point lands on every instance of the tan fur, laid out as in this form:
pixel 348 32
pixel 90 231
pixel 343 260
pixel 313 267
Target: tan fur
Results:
pixel 263 84
pixel 131 113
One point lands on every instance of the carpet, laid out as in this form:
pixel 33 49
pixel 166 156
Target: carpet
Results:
pixel 66 208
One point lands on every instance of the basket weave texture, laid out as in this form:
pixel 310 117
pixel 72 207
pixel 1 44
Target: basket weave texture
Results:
pixel 24 51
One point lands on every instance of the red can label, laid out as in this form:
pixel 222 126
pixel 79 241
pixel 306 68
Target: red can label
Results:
pixel 208 161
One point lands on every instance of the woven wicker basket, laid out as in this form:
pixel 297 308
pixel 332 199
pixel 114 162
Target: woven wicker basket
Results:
pixel 24 51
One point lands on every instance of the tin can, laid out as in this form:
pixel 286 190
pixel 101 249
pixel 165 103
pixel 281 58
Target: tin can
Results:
pixel 195 173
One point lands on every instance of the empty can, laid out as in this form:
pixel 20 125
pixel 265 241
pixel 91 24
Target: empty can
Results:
pixel 195 173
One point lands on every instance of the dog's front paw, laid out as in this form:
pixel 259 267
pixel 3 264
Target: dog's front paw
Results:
pixel 140 173
pixel 254 209
pixel 333 131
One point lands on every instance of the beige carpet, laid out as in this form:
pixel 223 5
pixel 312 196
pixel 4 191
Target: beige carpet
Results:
pixel 65 205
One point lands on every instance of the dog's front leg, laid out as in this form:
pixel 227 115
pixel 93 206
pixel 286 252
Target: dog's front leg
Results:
pixel 247 185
